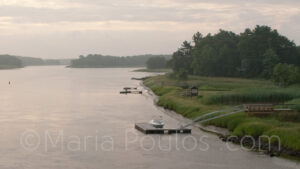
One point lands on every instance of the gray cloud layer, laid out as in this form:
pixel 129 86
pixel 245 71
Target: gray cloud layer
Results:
pixel 68 28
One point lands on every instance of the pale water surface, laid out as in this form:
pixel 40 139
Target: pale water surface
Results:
pixel 61 118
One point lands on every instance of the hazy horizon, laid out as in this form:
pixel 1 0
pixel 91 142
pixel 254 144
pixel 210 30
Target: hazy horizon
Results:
pixel 58 29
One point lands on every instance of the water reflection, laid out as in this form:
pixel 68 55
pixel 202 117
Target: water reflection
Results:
pixel 79 120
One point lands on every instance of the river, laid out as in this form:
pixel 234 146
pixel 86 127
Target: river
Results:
pixel 52 117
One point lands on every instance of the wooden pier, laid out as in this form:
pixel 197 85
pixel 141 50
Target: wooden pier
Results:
pixel 147 128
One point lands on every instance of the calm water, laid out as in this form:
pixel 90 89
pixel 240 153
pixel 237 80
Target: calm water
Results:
pixel 60 118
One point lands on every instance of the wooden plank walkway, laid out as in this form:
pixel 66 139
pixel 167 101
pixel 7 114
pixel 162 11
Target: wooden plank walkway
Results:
pixel 147 128
pixel 259 109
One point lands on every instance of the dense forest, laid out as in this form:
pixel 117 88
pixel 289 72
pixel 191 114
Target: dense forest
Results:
pixel 258 53
pixel 100 61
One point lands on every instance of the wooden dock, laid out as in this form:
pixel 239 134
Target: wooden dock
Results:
pixel 131 92
pixel 147 128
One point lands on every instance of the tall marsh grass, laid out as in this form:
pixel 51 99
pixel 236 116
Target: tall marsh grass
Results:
pixel 253 96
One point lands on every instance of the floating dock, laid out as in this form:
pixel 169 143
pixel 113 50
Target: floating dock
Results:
pixel 130 88
pixel 131 92
pixel 147 128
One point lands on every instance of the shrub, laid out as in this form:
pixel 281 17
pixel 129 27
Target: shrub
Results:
pixel 172 75
pixel 252 128
pixel 182 74
pixel 183 85
pixel 285 74
pixel 296 107
pixel 289 137
pixel 288 116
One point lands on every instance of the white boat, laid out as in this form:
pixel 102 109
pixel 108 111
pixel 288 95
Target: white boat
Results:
pixel 157 123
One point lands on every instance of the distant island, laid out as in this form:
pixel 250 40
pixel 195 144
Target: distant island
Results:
pixel 31 61
pixel 100 61
pixel 10 62
pixel 13 62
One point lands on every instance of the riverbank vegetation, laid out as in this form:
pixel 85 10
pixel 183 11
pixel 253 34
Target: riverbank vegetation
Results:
pixel 256 66
pixel 216 93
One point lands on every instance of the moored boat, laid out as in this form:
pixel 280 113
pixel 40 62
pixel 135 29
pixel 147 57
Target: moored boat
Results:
pixel 157 123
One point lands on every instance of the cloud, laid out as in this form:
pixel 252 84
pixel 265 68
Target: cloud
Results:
pixel 139 10
pixel 38 18
pixel 50 4
pixel 115 25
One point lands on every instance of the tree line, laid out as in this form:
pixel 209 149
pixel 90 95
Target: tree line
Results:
pixel 31 61
pixel 252 54
pixel 100 61
pixel 11 62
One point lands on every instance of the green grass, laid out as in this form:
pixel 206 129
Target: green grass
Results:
pixel 289 136
pixel 220 93
pixel 296 103
pixel 241 125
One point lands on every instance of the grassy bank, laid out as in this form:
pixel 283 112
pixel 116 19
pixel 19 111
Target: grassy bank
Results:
pixel 220 93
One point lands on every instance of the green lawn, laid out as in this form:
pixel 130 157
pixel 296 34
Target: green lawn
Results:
pixel 220 93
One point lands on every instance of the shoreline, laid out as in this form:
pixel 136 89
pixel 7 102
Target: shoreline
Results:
pixel 153 70
pixel 209 129
pixel 224 133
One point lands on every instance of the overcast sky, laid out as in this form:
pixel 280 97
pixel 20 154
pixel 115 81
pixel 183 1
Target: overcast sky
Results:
pixel 69 28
